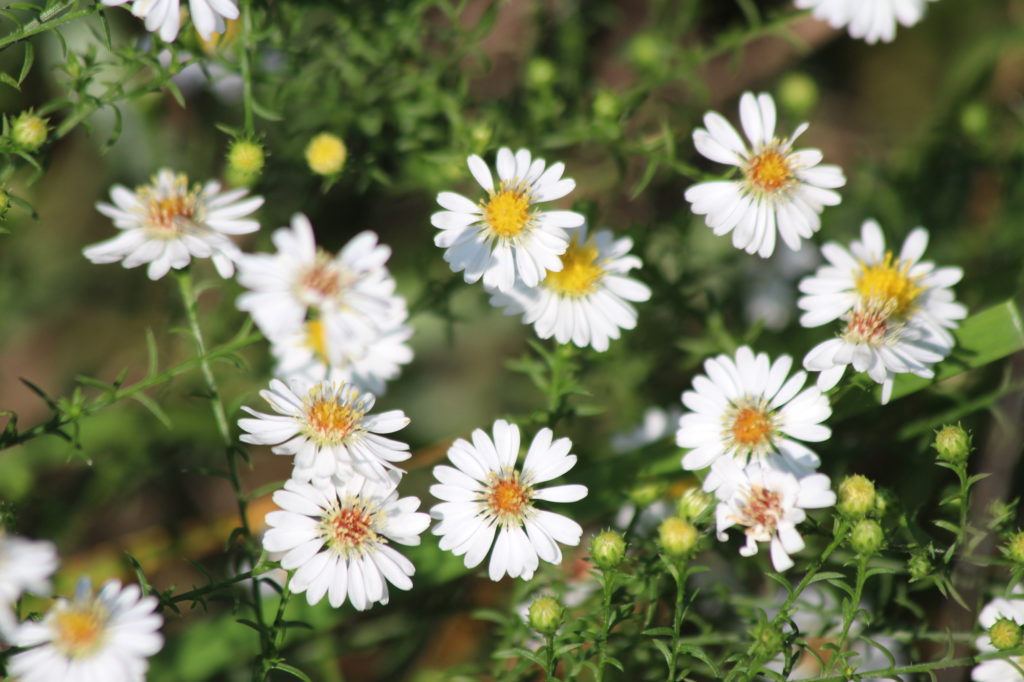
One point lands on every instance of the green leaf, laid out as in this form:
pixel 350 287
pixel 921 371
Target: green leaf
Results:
pixel 291 670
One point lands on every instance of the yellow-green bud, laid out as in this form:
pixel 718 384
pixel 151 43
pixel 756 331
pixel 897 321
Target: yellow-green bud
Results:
pixel 974 119
pixel 856 496
pixel 882 501
pixel 545 615
pixel 540 73
pixel 1014 548
pixel 608 549
pixel 646 50
pixel 1005 634
pixel 326 154
pixel 29 131
pixel 5 203
pixel 606 104
pixel 798 93
pixel 953 444
pixel 867 537
pixel 246 157
pixel 646 494
pixel 919 566
pixel 768 640
pixel 693 503
pixel 677 536
pixel 480 134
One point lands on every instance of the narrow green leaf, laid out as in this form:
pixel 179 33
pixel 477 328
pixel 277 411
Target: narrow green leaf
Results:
pixel 293 671
pixel 26 65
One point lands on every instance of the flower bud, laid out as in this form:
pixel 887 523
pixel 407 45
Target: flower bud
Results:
pixel 919 566
pixel 798 93
pixel 606 104
pixel 246 158
pixel 545 615
pixel 540 73
pixel 974 119
pixel 326 154
pixel 768 640
pixel 677 537
pixel 953 444
pixel 646 494
pixel 1014 548
pixel 647 51
pixel 856 496
pixel 29 131
pixel 608 549
pixel 1005 634
pixel 693 503
pixel 867 537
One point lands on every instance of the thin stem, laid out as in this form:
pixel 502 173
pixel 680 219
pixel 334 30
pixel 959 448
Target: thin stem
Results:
pixel 246 66
pixel 851 613
pixel 551 662
pixel 607 586
pixel 43 22
pixel 890 673
pixel 192 595
pixel 840 536
pixel 677 617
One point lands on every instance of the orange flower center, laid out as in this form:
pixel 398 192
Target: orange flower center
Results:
pixel 867 325
pixel 508 498
pixel 507 213
pixel 332 414
pixel 80 630
pixel 322 278
pixel 769 171
pixel 751 427
pixel 349 529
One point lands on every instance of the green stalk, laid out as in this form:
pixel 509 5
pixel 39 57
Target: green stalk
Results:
pixel 607 587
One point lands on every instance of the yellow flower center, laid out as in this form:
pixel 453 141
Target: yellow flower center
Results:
pixel 888 284
pixel 762 511
pixel 169 216
pixel 332 417
pixel 507 498
pixel 580 273
pixel 79 631
pixel 348 528
pixel 769 171
pixel 749 426
pixel 507 213
pixel 316 339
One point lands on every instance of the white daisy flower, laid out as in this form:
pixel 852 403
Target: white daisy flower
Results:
pixel 25 566
pixel 781 189
pixel 329 430
pixel 999 670
pixel 164 16
pixel 587 301
pixel 323 350
pixel 869 20
pixel 336 539
pixel 168 222
pixel 750 408
pixel 505 238
pixel 485 495
pixel 355 285
pixel 105 637
pixel 769 503
pixel 897 313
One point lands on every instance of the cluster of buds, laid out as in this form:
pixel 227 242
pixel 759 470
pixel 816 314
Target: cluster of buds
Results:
pixel 859 502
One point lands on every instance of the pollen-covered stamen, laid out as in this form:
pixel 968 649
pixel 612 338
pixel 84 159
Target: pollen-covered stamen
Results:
pixel 507 212
pixel 769 170
pixel 348 528
pixel 320 281
pixel 332 415
pixel 79 630
pixel 868 325
pixel 761 512
pixel 507 498
pixel 888 284
pixel 749 426
pixel 580 274
pixel 168 214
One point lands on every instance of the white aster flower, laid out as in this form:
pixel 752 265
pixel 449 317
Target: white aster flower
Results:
pixel 781 189
pixel 870 20
pixel 769 503
pixel 328 429
pixel 750 408
pixel 1000 670
pixel 164 16
pixel 897 313
pixel 505 238
pixel 25 566
pixel 337 537
pixel 323 349
pixel 485 495
pixel 354 285
pixel 105 637
pixel 588 300
pixel 168 222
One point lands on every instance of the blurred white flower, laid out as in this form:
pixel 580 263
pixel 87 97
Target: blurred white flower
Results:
pixel 25 566
pixel 870 20
pixel 336 539
pixel 164 16
pixel 105 637
pixel 485 495
pixel 168 222
pixel 588 300
pixel 781 189
pixel 504 238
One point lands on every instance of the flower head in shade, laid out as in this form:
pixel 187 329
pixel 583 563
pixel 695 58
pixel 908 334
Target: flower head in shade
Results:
pixel 337 539
pixel 586 302
pixel 1010 608
pixel 169 221
pixel 25 566
pixel 505 238
pixel 353 285
pixel 780 189
pixel 896 312
pixel 328 428
pixel 749 407
pixel 484 495
pixel 871 20
pixel 769 503
pixel 106 637
pixel 164 16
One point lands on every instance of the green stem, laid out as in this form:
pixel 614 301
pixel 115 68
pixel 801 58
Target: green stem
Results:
pixel 551 662
pixel 840 536
pixel 677 617
pixel 891 673
pixel 192 595
pixel 851 612
pixel 246 67
pixel 607 586
pixel 43 22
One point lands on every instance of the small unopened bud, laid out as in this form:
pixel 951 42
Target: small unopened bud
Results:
pixel 866 537
pixel 919 566
pixel 246 157
pixel 540 73
pixel 545 615
pixel 645 494
pixel 29 131
pixel 677 536
pixel 856 496
pixel 693 503
pixel 326 154
pixel 647 51
pixel 1005 634
pixel 768 640
pixel 953 444
pixel 798 93
pixel 608 549
pixel 606 104
pixel 974 119
pixel 883 500
pixel 1014 548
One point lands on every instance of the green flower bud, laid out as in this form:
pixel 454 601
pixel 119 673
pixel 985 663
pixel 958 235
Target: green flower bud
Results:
pixel 974 119
pixel 1005 634
pixel 646 51
pixel 540 73
pixel 768 640
pixel 646 494
pixel 29 131
pixel 1014 548
pixel 608 549
pixel 798 93
pixel 606 104
pixel 867 537
pixel 919 566
pixel 856 496
pixel 546 615
pixel 693 503
pixel 953 444
pixel 677 537
pixel 326 154
pixel 246 157
pixel 480 134
pixel 882 502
